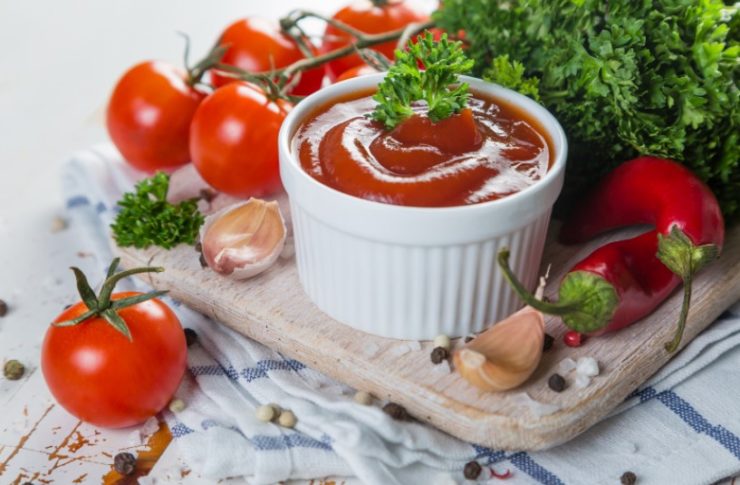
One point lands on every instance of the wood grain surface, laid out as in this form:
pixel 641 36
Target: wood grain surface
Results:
pixel 273 310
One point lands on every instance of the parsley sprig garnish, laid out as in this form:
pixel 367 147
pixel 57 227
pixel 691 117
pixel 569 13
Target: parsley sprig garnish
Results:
pixel 436 84
pixel 146 218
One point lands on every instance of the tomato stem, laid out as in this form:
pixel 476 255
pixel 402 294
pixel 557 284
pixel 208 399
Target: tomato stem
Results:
pixel 375 59
pixel 363 41
pixel 101 305
pixel 277 83
pixel 107 289
pixel 292 29
pixel 296 16
pixel 196 73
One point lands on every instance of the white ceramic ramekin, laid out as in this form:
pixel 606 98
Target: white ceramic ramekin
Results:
pixel 411 272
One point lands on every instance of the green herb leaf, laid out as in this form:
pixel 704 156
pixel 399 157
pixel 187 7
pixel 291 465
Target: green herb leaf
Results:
pixel 437 84
pixel 134 300
pixel 623 77
pixel 85 290
pixel 146 218
pixel 118 323
pixel 77 320
pixel 113 267
pixel 510 74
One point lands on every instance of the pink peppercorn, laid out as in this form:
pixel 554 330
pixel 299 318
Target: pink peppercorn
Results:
pixel 573 339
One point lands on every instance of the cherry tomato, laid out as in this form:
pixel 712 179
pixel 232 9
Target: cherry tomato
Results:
pixel 357 71
pixel 370 17
pixel 233 140
pixel 258 45
pixel 101 377
pixel 149 115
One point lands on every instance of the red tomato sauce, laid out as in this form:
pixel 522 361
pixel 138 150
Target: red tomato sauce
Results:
pixel 486 152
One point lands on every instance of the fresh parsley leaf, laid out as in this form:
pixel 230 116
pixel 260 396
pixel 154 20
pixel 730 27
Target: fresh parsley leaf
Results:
pixel 437 84
pixel 623 77
pixel 510 74
pixel 146 218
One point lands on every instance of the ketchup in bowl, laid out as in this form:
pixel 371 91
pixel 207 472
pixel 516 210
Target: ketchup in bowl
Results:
pixel 488 151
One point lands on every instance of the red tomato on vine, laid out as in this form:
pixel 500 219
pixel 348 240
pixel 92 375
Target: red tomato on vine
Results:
pixel 233 140
pixel 115 359
pixel 369 17
pixel 258 45
pixel 149 113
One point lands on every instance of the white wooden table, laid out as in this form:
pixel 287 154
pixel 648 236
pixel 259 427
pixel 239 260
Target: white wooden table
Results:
pixel 59 61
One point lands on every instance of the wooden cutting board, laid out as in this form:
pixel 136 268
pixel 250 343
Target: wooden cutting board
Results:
pixel 273 309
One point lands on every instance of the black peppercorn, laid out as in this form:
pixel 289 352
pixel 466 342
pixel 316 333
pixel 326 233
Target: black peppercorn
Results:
pixel 396 411
pixel 13 370
pixel 3 308
pixel 203 263
pixel 628 478
pixel 472 470
pixel 190 336
pixel 124 463
pixel 547 344
pixel 556 383
pixel 439 354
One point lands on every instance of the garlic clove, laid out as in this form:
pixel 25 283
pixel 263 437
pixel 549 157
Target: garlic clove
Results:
pixel 505 355
pixel 243 240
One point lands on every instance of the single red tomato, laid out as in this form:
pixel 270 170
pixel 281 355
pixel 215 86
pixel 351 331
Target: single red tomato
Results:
pixel 369 17
pixel 357 71
pixel 149 115
pixel 100 376
pixel 258 45
pixel 233 140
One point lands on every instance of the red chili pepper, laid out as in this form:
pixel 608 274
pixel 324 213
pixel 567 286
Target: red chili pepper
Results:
pixel 623 281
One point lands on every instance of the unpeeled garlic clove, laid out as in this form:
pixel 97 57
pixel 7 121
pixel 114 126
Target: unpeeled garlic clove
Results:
pixel 505 355
pixel 243 240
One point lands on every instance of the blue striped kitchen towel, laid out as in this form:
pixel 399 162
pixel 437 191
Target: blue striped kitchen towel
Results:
pixel 683 427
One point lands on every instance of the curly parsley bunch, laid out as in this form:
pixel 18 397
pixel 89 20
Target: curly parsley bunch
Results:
pixel 624 77
pixel 146 218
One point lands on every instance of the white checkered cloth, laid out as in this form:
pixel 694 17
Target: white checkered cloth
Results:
pixel 682 427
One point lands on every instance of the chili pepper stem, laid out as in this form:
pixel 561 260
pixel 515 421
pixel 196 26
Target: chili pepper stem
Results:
pixel 551 308
pixel 673 344
pixel 679 254
pixel 587 301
